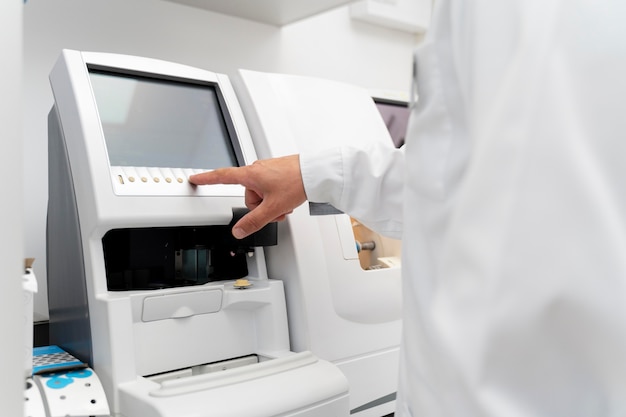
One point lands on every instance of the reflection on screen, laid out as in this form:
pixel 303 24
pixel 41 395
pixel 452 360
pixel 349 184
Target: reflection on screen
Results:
pixel 155 123
pixel 396 117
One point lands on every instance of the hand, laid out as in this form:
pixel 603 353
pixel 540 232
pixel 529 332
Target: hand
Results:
pixel 273 189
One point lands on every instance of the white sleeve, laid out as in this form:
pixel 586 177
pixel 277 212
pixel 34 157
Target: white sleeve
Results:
pixel 364 183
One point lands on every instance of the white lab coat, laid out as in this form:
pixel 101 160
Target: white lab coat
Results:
pixel 514 218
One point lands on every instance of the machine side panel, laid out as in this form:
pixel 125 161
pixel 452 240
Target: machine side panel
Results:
pixel 67 292
pixel 339 309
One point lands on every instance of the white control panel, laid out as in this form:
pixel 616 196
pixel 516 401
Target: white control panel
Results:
pixel 146 181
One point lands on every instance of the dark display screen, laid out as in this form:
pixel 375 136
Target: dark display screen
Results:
pixel 396 117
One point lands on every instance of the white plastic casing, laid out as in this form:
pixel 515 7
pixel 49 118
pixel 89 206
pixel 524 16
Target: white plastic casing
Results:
pixel 337 310
pixel 139 333
pixel 94 179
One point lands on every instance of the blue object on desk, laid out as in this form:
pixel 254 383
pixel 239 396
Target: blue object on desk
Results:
pixel 53 359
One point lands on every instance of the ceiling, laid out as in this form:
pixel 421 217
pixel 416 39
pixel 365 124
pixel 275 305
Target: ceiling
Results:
pixel 273 12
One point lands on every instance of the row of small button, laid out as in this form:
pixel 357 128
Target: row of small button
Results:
pixel 155 175
pixel 144 179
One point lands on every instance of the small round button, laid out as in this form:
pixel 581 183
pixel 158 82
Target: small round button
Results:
pixel 131 179
pixel 144 179
pixel 179 180
pixel 168 179
pixel 156 179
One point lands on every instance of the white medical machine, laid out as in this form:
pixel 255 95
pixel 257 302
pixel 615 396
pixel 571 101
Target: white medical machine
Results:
pixel 343 307
pixel 146 283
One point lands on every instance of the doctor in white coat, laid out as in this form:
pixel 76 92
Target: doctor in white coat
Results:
pixel 510 198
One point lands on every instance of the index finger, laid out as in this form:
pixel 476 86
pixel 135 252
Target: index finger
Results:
pixel 220 176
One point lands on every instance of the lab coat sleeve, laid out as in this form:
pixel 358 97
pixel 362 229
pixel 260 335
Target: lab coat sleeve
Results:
pixel 365 183
pixel 515 289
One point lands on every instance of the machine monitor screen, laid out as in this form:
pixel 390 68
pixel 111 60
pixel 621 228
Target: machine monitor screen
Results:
pixel 149 122
pixel 396 116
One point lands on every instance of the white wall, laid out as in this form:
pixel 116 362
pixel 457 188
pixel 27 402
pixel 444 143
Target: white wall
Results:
pixel 330 45
pixel 11 258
